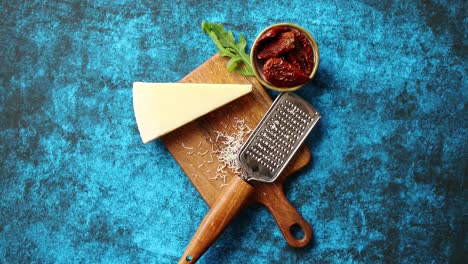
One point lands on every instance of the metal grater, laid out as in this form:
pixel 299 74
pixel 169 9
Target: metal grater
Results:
pixel 277 138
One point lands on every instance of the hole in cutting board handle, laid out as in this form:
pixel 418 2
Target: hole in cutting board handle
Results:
pixel 297 231
pixel 188 258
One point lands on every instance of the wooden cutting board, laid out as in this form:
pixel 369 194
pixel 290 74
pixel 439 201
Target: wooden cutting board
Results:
pixel 194 144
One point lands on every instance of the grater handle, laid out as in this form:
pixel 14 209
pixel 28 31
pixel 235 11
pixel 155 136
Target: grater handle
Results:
pixel 220 215
pixel 288 219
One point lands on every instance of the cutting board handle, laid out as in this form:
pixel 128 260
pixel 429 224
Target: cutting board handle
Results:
pixel 220 215
pixel 289 220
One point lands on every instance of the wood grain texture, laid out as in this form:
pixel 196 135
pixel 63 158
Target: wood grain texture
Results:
pixel 217 219
pixel 192 144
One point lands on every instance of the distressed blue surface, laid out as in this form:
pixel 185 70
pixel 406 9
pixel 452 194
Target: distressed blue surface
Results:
pixel 386 184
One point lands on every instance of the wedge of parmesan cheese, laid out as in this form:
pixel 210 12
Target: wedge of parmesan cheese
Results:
pixel 162 107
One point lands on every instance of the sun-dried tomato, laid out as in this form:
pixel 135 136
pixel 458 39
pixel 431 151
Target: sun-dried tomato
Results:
pixel 283 44
pixel 302 53
pixel 282 73
pixel 270 34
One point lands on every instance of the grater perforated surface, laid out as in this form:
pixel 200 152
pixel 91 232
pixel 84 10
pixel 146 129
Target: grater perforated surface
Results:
pixel 277 138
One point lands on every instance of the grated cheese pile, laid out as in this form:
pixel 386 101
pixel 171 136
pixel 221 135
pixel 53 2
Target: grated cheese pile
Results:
pixel 229 146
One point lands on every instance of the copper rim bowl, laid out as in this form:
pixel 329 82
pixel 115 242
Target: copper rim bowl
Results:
pixel 257 65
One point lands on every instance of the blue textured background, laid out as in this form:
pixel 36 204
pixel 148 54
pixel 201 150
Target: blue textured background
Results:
pixel 386 184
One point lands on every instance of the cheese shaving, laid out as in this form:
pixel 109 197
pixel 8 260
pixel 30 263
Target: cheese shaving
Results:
pixel 185 147
pixel 202 153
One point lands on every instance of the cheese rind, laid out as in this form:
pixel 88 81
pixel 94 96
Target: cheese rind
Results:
pixel 162 107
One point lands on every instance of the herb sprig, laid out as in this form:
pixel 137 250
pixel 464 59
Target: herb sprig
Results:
pixel 228 47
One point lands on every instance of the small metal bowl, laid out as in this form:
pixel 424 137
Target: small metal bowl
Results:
pixel 257 64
